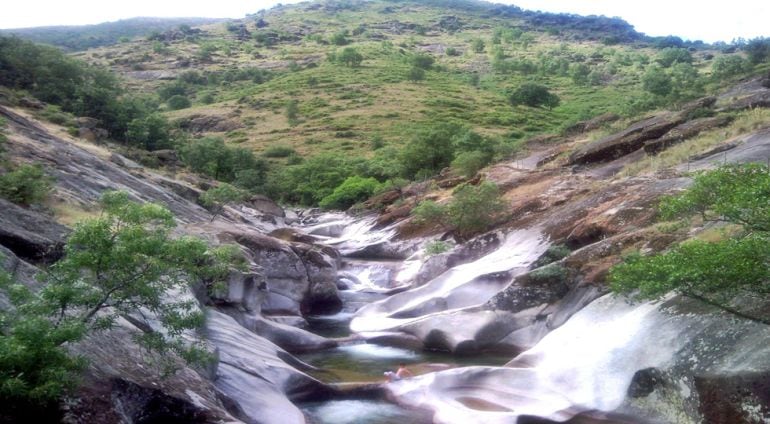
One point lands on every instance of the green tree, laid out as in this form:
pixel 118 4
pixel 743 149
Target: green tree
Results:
pixel 468 164
pixel 150 132
pixel 416 74
pixel 340 38
pixel 354 189
pixel 350 57
pixel 672 55
pixel 657 81
pixel 429 150
pixel 177 102
pixel 473 209
pixel 758 50
pixel 122 263
pixel 422 61
pixel 26 185
pixel 533 95
pixel 726 66
pixel 292 112
pixel 713 272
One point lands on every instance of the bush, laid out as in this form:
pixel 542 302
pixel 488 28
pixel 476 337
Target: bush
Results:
pixel 339 39
pixel 533 95
pixel 312 180
pixel 728 66
pixel 354 189
pixel 177 102
pixel 436 247
pixel 292 112
pixel 474 208
pixel 554 253
pixel 26 185
pixel 672 55
pixel 350 57
pixel 477 45
pixel 451 51
pixel 468 164
pixel 278 152
pixel 429 150
pixel 429 212
pixel 210 156
pixel 150 133
pixel 416 74
pixel 657 82
pixel 422 61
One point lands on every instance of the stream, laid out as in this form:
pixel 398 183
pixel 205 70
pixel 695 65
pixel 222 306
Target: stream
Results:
pixel 368 282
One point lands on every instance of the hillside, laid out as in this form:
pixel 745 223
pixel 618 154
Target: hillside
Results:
pixel 361 80
pixel 82 37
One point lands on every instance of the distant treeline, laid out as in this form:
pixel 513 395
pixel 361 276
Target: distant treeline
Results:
pixel 74 38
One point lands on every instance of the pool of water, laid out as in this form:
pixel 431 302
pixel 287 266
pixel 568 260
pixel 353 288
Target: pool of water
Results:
pixel 363 411
pixel 367 362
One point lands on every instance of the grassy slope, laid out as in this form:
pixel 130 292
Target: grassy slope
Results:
pixel 347 107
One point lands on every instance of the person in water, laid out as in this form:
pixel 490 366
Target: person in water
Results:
pixel 401 373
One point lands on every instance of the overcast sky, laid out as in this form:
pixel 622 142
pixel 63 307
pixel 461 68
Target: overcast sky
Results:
pixel 708 20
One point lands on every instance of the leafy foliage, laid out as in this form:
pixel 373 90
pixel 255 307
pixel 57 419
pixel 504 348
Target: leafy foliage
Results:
pixel 210 156
pixel 533 95
pixel 350 57
pixel 354 189
pixel 215 199
pixel 473 209
pixel 713 272
pixel 26 185
pixel 436 247
pixel 123 262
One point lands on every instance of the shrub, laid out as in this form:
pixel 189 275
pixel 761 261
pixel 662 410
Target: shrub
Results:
pixel 422 61
pixel 150 133
pixel 278 152
pixel 436 247
pixel 728 65
pixel 451 51
pixel 468 164
pixel 339 38
pixel 533 95
pixel 474 208
pixel 210 156
pixel 429 150
pixel 477 45
pixel 672 55
pixel 416 74
pixel 350 57
pixel 354 189
pixel 554 253
pixel 657 82
pixel 429 212
pixel 549 274
pixel 177 102
pixel 26 185
pixel 292 112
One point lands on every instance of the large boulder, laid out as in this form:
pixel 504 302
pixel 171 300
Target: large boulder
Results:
pixel 259 377
pixel 626 141
pixel 684 131
pixel 31 235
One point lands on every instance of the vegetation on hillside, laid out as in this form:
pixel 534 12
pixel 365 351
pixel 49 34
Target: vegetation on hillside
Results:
pixel 337 90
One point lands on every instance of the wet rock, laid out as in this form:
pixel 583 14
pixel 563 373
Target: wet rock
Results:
pixel 291 339
pixel 31 235
pixel 258 376
pixel 626 141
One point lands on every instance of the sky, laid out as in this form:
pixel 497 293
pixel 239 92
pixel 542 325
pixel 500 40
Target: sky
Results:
pixel 707 20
